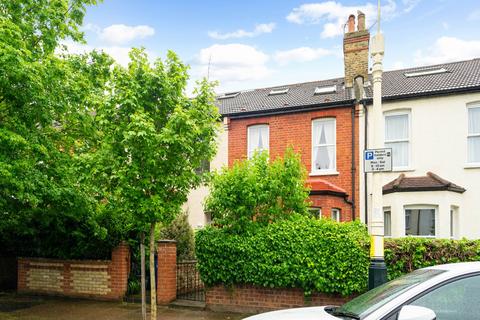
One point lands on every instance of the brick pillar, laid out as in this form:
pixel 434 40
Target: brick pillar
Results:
pixel 22 270
pixel 119 270
pixel 166 271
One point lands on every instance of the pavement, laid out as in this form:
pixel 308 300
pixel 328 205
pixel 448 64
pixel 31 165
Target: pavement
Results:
pixel 21 307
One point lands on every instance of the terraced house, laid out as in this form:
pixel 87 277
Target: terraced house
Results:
pixel 431 122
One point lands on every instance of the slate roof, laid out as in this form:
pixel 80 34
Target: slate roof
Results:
pixel 460 76
pixel 430 182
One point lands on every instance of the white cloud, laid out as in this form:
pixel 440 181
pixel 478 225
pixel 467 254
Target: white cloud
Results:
pixel 447 49
pixel 302 54
pixel 259 29
pixel 231 63
pixel 118 34
pixel 410 5
pixel 333 15
pixel 119 53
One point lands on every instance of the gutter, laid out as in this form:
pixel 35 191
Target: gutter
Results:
pixel 289 109
pixel 416 95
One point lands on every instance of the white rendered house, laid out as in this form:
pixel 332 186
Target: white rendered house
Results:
pixel 432 124
pixel 194 205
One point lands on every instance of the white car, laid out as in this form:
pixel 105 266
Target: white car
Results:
pixel 444 292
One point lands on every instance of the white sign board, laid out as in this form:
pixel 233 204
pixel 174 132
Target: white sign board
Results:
pixel 378 160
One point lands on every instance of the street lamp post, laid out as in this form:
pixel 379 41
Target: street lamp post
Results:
pixel 377 274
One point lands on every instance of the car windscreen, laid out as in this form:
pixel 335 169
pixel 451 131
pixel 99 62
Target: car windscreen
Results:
pixel 370 301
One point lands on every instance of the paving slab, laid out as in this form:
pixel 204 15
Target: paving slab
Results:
pixel 19 307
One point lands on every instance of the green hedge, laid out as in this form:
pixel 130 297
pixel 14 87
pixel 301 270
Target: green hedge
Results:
pixel 301 252
pixel 407 254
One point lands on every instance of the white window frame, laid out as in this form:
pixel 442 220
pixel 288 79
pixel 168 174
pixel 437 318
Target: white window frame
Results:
pixel 473 105
pixel 332 171
pixel 338 214
pixel 454 222
pixel 418 207
pixel 318 209
pixel 408 113
pixel 250 153
pixel 387 209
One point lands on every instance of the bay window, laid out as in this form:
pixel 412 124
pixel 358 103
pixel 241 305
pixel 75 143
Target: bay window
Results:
pixel 257 139
pixel 336 214
pixel 397 137
pixel 387 222
pixel 420 221
pixel 324 146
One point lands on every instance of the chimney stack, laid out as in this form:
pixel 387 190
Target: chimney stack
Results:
pixel 355 50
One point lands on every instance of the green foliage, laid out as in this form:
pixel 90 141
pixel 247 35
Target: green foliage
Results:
pixel 181 231
pixel 46 104
pixel 407 254
pixel 300 252
pixel 258 190
pixel 153 137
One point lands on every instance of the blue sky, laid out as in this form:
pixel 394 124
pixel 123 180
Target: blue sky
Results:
pixel 252 44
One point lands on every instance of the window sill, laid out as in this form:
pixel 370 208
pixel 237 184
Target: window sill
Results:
pixel 324 173
pixel 472 166
pixel 426 237
pixel 403 169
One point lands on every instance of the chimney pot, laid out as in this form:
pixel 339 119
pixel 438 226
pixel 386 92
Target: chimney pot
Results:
pixel 361 21
pixel 351 23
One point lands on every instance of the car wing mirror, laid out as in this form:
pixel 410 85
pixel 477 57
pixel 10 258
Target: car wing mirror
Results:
pixel 416 313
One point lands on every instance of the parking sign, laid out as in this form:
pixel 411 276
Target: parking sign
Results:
pixel 378 160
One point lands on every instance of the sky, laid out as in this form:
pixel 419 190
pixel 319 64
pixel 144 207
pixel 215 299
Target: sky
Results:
pixel 251 44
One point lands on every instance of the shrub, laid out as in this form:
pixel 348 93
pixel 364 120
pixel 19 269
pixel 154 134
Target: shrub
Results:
pixel 258 190
pixel 300 252
pixel 404 255
pixel 181 231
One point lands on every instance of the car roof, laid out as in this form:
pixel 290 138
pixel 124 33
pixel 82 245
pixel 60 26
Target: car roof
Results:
pixel 460 267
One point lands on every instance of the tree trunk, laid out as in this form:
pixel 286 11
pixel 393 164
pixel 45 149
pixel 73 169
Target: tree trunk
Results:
pixel 153 292
pixel 142 266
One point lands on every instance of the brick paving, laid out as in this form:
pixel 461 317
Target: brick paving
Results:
pixel 19 307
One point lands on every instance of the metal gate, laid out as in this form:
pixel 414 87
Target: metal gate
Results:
pixel 189 285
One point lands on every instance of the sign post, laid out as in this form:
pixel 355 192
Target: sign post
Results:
pixel 378 162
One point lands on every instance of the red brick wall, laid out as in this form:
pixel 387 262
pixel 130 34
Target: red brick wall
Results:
pixel 327 203
pixel 96 279
pixel 295 129
pixel 251 299
pixel 166 271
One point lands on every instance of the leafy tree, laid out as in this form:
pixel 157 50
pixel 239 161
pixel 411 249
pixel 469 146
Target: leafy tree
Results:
pixel 258 190
pixel 45 118
pixel 153 139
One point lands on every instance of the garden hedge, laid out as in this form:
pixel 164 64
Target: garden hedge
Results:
pixel 301 252
pixel 404 255
pixel 315 255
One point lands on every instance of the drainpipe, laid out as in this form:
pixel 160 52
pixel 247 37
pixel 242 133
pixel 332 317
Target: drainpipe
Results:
pixel 353 169
pixel 365 175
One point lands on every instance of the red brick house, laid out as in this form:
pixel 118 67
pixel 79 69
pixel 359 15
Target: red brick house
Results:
pixel 319 119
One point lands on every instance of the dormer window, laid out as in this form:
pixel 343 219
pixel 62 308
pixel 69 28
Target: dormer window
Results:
pixel 278 91
pixel 324 90
pixel 229 95
pixel 426 72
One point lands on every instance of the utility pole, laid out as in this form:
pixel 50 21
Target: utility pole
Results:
pixel 377 273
